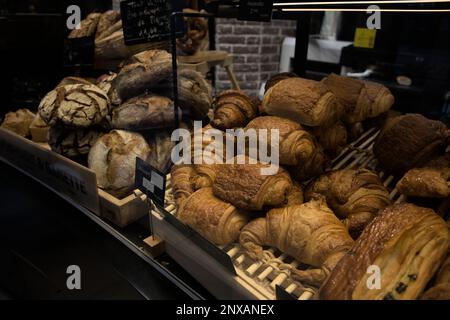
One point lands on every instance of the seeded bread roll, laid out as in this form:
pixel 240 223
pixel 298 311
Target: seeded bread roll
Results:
pixel 75 105
pixel 19 122
pixel 113 159
pixel 72 143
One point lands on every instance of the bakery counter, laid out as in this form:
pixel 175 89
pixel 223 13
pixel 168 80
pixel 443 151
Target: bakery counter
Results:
pixel 44 232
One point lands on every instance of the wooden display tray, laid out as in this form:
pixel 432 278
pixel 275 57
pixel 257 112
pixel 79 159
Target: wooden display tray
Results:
pixel 257 279
pixel 70 178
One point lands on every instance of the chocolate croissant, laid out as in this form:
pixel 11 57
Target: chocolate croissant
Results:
pixel 425 182
pixel 361 99
pixel 333 138
pixel 310 233
pixel 407 243
pixel 409 141
pixel 306 101
pixel 233 109
pixel 248 187
pixel 216 220
pixel 356 196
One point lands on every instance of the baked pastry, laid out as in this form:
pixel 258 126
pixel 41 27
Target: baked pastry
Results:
pixel 296 145
pixel 356 196
pixel 106 21
pixel 144 112
pixel 113 159
pixel 233 109
pixel 72 143
pixel 144 71
pixel 181 176
pixel 294 196
pixel 310 233
pixel 425 182
pixel 306 101
pixel 438 292
pixel 354 131
pixel 314 166
pixel 361 99
pixel 409 141
pixel 75 105
pixel 216 220
pixel 407 243
pixel 72 80
pixel 18 122
pixel 196 34
pixel 277 78
pixel 333 138
pixel 248 187
pixel 87 26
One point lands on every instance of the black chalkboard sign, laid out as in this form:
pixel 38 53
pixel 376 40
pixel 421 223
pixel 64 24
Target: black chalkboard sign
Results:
pixel 149 20
pixel 150 181
pixel 79 52
pixel 255 10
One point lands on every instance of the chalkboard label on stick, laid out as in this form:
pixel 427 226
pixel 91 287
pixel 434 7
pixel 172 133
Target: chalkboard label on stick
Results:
pixel 150 181
pixel 255 10
pixel 149 20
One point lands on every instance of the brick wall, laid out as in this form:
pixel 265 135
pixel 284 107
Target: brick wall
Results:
pixel 255 47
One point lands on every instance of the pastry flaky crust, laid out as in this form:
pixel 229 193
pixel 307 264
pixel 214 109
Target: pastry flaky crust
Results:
pixel 182 178
pixel 144 112
pixel 216 220
pixel 310 233
pixel 425 182
pixel 441 288
pixel 244 186
pixel 409 141
pixel 19 122
pixel 233 109
pixel 332 138
pixel 76 105
pixel 407 243
pixel 356 196
pixel 296 145
pixel 143 72
pixel 277 78
pixel 361 99
pixel 306 101
pixel 113 159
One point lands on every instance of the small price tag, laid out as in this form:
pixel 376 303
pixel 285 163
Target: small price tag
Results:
pixel 365 38
pixel 150 181
pixel 255 10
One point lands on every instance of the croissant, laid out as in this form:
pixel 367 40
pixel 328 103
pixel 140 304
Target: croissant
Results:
pixel 310 233
pixel 407 243
pixel 277 78
pixel 355 196
pixel 361 99
pixel 181 178
pixel 333 139
pixel 216 220
pixel 294 196
pixel 425 182
pixel 233 109
pixel 311 168
pixel 441 287
pixel 247 187
pixel 409 141
pixel 306 101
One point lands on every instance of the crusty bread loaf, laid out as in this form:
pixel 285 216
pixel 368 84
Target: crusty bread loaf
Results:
pixel 113 159
pixel 19 122
pixel 75 105
pixel 72 142
pixel 87 27
pixel 106 21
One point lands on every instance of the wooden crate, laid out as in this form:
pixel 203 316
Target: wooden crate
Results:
pixel 69 178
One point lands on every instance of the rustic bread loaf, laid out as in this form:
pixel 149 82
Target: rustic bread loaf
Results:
pixel 19 122
pixel 72 142
pixel 75 105
pixel 87 26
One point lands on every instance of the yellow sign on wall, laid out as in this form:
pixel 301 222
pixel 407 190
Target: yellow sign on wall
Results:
pixel 365 38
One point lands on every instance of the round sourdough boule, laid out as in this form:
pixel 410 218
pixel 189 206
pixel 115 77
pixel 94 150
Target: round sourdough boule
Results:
pixel 113 159
pixel 72 143
pixel 77 105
